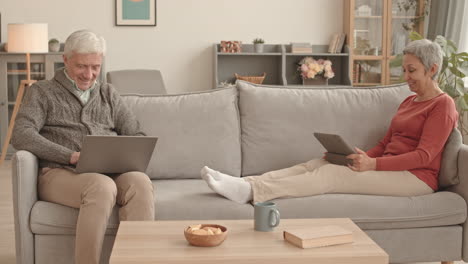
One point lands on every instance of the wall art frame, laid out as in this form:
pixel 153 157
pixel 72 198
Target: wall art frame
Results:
pixel 135 13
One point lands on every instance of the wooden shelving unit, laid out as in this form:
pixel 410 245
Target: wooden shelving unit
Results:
pixel 278 62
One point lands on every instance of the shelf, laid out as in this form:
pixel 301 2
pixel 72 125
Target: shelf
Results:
pixel 248 50
pixel 279 64
pixel 22 72
pixel 250 54
pixel 368 57
pixel 405 17
pixel 369 17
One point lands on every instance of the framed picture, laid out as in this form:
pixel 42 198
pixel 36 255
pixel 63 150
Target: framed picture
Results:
pixel 135 13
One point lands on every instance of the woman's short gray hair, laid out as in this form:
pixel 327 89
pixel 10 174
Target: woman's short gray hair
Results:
pixel 428 52
pixel 84 42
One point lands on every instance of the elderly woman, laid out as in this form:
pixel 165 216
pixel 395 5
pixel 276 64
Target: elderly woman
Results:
pixel 406 162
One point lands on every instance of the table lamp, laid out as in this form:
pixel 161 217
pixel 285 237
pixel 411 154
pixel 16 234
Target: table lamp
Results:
pixel 24 38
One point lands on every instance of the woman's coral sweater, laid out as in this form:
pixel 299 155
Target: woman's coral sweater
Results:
pixel 416 138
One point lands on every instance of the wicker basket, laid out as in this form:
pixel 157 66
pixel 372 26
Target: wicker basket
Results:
pixel 252 79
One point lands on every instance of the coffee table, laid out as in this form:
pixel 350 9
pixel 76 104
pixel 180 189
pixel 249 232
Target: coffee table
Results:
pixel 164 242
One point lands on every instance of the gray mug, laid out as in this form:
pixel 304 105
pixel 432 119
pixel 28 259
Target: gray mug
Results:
pixel 266 216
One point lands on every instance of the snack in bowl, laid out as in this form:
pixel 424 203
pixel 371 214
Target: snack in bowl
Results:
pixel 205 235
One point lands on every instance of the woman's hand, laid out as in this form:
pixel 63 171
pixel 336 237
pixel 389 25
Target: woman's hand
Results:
pixel 74 158
pixel 362 162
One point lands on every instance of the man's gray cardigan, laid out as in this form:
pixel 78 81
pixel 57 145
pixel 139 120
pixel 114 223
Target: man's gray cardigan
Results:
pixel 53 122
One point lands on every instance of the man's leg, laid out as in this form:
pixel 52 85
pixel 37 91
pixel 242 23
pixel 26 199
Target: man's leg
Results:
pixel 94 194
pixel 332 178
pixel 135 195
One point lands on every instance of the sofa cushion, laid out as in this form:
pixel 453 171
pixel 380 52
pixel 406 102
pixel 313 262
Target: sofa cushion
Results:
pixel 194 130
pixel 194 200
pixel 448 174
pixel 184 199
pixel 55 219
pixel 191 199
pixel 278 123
pixel 380 212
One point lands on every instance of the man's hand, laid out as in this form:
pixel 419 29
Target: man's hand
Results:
pixel 74 158
pixel 362 162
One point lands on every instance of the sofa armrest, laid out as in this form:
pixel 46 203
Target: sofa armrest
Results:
pixel 462 189
pixel 24 179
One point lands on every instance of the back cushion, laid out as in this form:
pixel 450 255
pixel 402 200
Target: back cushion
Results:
pixel 278 123
pixel 448 174
pixel 194 130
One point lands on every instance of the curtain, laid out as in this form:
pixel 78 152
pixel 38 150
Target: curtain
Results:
pixel 446 18
pixel 463 44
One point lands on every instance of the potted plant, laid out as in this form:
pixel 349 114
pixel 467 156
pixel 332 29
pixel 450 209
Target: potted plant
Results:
pixel 258 45
pixel 54 45
pixel 315 72
pixel 410 9
pixel 454 69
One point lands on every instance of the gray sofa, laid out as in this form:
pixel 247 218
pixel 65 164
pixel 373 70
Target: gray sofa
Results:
pixel 249 130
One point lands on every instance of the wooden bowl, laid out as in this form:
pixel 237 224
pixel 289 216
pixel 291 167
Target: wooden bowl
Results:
pixel 206 240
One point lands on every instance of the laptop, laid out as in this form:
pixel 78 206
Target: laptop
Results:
pixel 337 148
pixel 115 154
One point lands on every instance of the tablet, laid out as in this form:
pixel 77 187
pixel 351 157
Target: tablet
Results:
pixel 337 148
pixel 115 154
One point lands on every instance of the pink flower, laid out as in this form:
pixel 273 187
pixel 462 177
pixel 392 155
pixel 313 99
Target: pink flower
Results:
pixel 311 74
pixel 309 68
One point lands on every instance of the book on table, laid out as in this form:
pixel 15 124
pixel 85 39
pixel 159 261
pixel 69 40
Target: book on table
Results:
pixel 319 236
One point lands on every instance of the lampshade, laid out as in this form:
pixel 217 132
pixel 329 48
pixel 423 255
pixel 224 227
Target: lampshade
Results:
pixel 28 38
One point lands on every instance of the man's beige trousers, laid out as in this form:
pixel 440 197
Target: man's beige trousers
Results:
pixel 95 195
pixel 319 177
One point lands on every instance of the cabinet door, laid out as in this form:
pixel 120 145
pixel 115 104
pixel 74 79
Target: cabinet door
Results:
pixel 367 41
pixel 404 16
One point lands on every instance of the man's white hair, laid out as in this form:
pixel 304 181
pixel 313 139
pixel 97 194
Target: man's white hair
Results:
pixel 84 42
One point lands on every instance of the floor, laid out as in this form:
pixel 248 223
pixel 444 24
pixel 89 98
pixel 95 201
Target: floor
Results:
pixel 7 235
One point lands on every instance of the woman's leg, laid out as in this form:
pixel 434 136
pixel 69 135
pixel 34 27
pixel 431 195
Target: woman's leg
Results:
pixel 332 178
pixel 239 190
pixel 291 171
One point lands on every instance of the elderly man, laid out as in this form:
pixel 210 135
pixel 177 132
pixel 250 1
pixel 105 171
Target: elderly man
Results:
pixel 55 117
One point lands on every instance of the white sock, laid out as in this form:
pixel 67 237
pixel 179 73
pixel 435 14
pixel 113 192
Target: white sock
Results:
pixel 216 174
pixel 233 188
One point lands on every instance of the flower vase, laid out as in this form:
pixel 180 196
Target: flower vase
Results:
pixel 318 80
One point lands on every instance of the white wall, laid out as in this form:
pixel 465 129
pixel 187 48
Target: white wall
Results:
pixel 181 43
